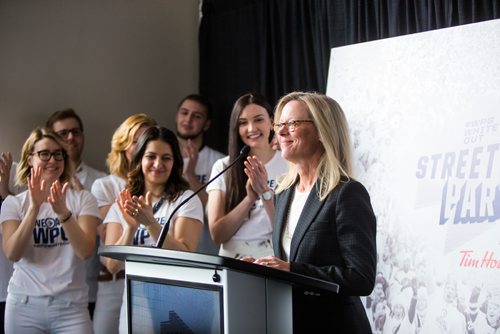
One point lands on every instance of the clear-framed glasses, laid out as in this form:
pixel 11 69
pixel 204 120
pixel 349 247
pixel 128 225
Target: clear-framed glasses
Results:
pixel 76 132
pixel 45 155
pixel 291 125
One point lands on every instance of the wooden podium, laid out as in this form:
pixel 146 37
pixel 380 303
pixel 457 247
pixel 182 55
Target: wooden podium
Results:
pixel 182 292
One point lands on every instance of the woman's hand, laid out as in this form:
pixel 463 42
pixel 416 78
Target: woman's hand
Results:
pixel 37 187
pixel 128 209
pixel 257 175
pixel 273 262
pixel 57 198
pixel 142 209
pixel 251 194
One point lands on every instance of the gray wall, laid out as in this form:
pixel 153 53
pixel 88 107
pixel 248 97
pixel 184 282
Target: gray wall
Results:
pixel 106 59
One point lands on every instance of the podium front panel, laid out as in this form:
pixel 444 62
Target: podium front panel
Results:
pixel 201 300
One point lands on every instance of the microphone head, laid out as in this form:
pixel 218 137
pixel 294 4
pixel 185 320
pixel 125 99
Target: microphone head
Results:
pixel 245 150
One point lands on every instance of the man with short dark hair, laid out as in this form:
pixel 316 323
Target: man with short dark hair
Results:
pixel 69 126
pixel 193 119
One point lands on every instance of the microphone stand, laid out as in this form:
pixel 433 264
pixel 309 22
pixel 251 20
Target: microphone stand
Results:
pixel 164 230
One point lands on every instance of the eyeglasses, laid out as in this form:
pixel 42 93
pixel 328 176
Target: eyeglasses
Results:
pixel 45 155
pixel 76 132
pixel 291 125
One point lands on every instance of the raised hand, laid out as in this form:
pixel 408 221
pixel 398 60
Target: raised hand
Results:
pixel 57 197
pixel 257 174
pixel 5 166
pixel 128 209
pixel 191 152
pixel 250 192
pixel 38 189
pixel 142 209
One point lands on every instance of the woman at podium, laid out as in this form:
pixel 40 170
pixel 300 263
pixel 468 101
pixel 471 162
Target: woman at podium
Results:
pixel 324 223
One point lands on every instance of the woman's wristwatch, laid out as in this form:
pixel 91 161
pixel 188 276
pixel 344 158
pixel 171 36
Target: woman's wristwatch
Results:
pixel 267 195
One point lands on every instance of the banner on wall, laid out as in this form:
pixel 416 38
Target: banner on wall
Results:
pixel 424 113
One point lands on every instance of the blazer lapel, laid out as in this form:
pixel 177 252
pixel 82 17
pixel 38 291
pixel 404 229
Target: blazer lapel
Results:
pixel 311 208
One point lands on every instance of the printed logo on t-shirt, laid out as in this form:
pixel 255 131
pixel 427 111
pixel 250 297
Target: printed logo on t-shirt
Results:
pixel 203 178
pixel 142 236
pixel 49 233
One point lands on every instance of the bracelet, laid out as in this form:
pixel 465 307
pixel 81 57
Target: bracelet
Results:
pixel 65 219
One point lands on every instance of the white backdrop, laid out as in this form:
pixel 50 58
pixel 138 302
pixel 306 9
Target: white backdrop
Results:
pixel 424 112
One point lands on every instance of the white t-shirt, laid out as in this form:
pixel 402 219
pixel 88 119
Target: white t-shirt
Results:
pixel 6 269
pixel 258 225
pixel 191 209
pixel 206 158
pixel 50 266
pixel 87 175
pixel 6 266
pixel 107 189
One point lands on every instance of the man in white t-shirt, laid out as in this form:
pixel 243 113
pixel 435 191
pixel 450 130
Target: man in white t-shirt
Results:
pixel 193 119
pixel 69 125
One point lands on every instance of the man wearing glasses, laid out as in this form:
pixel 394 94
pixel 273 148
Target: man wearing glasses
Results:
pixel 69 126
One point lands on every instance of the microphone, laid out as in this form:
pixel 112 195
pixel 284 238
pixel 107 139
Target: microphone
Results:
pixel 164 230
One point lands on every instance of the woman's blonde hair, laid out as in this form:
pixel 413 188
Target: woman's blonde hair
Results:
pixel 330 121
pixel 24 169
pixel 122 138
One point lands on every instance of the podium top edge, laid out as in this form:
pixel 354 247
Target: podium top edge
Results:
pixel 207 261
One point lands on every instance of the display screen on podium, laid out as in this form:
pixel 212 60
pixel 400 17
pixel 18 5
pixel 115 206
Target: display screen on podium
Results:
pixel 170 306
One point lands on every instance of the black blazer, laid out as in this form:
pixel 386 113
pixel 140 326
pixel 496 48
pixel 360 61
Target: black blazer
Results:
pixel 335 240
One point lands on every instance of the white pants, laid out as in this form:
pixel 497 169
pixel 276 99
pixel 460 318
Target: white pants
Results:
pixel 107 307
pixel 238 249
pixel 28 314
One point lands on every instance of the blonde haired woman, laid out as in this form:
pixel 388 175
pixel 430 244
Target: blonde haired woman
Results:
pixel 48 230
pixel 106 190
pixel 324 223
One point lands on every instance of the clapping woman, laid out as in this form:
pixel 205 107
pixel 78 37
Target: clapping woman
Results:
pixel 48 230
pixel 240 204
pixel 155 187
pixel 106 190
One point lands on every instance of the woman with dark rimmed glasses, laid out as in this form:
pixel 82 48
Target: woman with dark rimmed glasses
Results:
pixel 48 231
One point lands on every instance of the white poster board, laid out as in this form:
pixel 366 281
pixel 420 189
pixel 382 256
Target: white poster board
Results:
pixel 424 113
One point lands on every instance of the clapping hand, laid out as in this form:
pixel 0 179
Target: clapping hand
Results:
pixel 135 209
pixel 128 209
pixel 5 166
pixel 257 175
pixel 57 197
pixel 191 152
pixel 38 189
